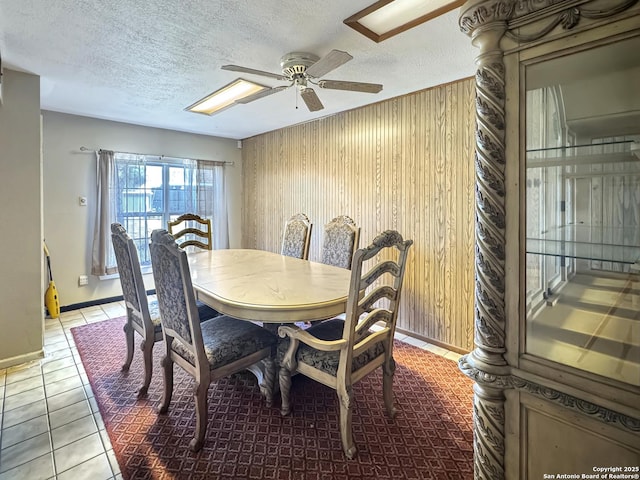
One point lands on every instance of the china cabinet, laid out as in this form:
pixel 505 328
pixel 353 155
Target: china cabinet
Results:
pixel 556 362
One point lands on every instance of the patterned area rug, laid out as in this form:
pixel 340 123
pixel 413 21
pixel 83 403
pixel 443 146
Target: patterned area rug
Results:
pixel 430 438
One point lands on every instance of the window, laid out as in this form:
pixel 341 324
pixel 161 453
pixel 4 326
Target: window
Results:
pixel 144 192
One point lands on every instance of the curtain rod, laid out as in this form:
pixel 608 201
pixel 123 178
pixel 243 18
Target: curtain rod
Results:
pixel 85 149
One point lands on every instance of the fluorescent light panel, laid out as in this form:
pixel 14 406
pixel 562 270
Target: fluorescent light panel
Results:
pixel 387 18
pixel 225 96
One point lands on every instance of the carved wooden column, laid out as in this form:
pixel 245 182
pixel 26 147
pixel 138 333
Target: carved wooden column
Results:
pixel 486 23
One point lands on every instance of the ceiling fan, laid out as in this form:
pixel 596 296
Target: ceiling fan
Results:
pixel 301 69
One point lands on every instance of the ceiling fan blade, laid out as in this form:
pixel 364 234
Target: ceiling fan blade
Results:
pixel 237 68
pixel 311 99
pixel 329 62
pixel 351 86
pixel 261 94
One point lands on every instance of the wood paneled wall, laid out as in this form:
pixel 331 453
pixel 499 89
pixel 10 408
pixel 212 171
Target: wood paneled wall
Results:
pixel 404 164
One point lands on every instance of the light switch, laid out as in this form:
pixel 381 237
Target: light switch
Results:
pixel 83 201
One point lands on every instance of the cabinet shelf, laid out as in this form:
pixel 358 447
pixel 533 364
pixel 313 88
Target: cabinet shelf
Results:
pixel 588 243
pixel 626 155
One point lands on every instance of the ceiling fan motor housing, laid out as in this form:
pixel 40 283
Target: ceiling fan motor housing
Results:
pixel 295 64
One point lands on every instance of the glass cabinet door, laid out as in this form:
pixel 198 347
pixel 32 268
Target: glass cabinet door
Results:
pixel 582 194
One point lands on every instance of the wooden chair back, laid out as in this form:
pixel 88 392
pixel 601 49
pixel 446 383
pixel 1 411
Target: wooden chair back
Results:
pixel 339 353
pixel 190 229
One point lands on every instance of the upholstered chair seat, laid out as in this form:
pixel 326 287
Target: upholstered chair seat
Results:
pixel 226 340
pixel 327 361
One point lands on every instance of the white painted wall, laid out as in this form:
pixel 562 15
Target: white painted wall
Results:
pixel 21 254
pixel 70 173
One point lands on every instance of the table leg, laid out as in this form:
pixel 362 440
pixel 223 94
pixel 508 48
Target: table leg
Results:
pixel 260 371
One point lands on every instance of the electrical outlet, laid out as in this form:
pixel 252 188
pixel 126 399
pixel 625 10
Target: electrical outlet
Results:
pixel 83 280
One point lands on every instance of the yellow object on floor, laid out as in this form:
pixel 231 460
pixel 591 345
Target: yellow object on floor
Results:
pixel 51 300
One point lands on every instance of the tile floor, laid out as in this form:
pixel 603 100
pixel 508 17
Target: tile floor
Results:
pixel 50 424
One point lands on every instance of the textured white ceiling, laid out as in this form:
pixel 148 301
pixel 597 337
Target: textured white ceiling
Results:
pixel 144 62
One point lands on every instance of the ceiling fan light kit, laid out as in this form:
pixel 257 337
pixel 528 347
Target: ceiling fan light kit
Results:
pixel 301 69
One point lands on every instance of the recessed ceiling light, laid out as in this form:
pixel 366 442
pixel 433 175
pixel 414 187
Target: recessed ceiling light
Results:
pixel 387 18
pixel 225 96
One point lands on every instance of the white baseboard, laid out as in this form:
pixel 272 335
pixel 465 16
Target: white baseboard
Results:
pixel 20 359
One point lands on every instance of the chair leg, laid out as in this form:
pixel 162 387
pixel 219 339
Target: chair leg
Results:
pixel 128 336
pixel 344 399
pixel 388 370
pixel 167 368
pixel 147 355
pixel 285 387
pixel 200 397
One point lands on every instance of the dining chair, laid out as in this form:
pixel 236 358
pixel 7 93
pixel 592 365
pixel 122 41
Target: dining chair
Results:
pixel 190 229
pixel 297 236
pixel 337 352
pixel 143 315
pixel 341 239
pixel 210 350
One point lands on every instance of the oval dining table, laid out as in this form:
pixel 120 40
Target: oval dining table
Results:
pixel 262 286
pixel 257 285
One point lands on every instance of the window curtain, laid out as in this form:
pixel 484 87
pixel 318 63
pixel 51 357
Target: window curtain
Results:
pixel 103 261
pixel 204 193
pixel 212 200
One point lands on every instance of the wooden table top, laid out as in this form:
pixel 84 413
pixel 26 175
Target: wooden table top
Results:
pixel 268 287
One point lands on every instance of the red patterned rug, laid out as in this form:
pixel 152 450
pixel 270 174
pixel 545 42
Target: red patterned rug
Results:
pixel 430 438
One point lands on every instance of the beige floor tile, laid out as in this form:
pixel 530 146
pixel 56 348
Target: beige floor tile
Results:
pixel 22 386
pixel 24 452
pixel 52 328
pixel 22 372
pixel 73 431
pixel 414 341
pixel 56 347
pixel 24 431
pixel 60 374
pixel 106 441
pixel 81 442
pixel 69 414
pixel 74 323
pixel 38 468
pixel 114 463
pixel 99 422
pixel 453 356
pixel 24 413
pixel 88 392
pixel 51 364
pixel 78 452
pixel 97 468
pixel 94 405
pixel 56 402
pixel 62 353
pixel 65 385
pixel 435 349
pixel 114 310
pixel 23 398
pixel 71 315
pixel 58 337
